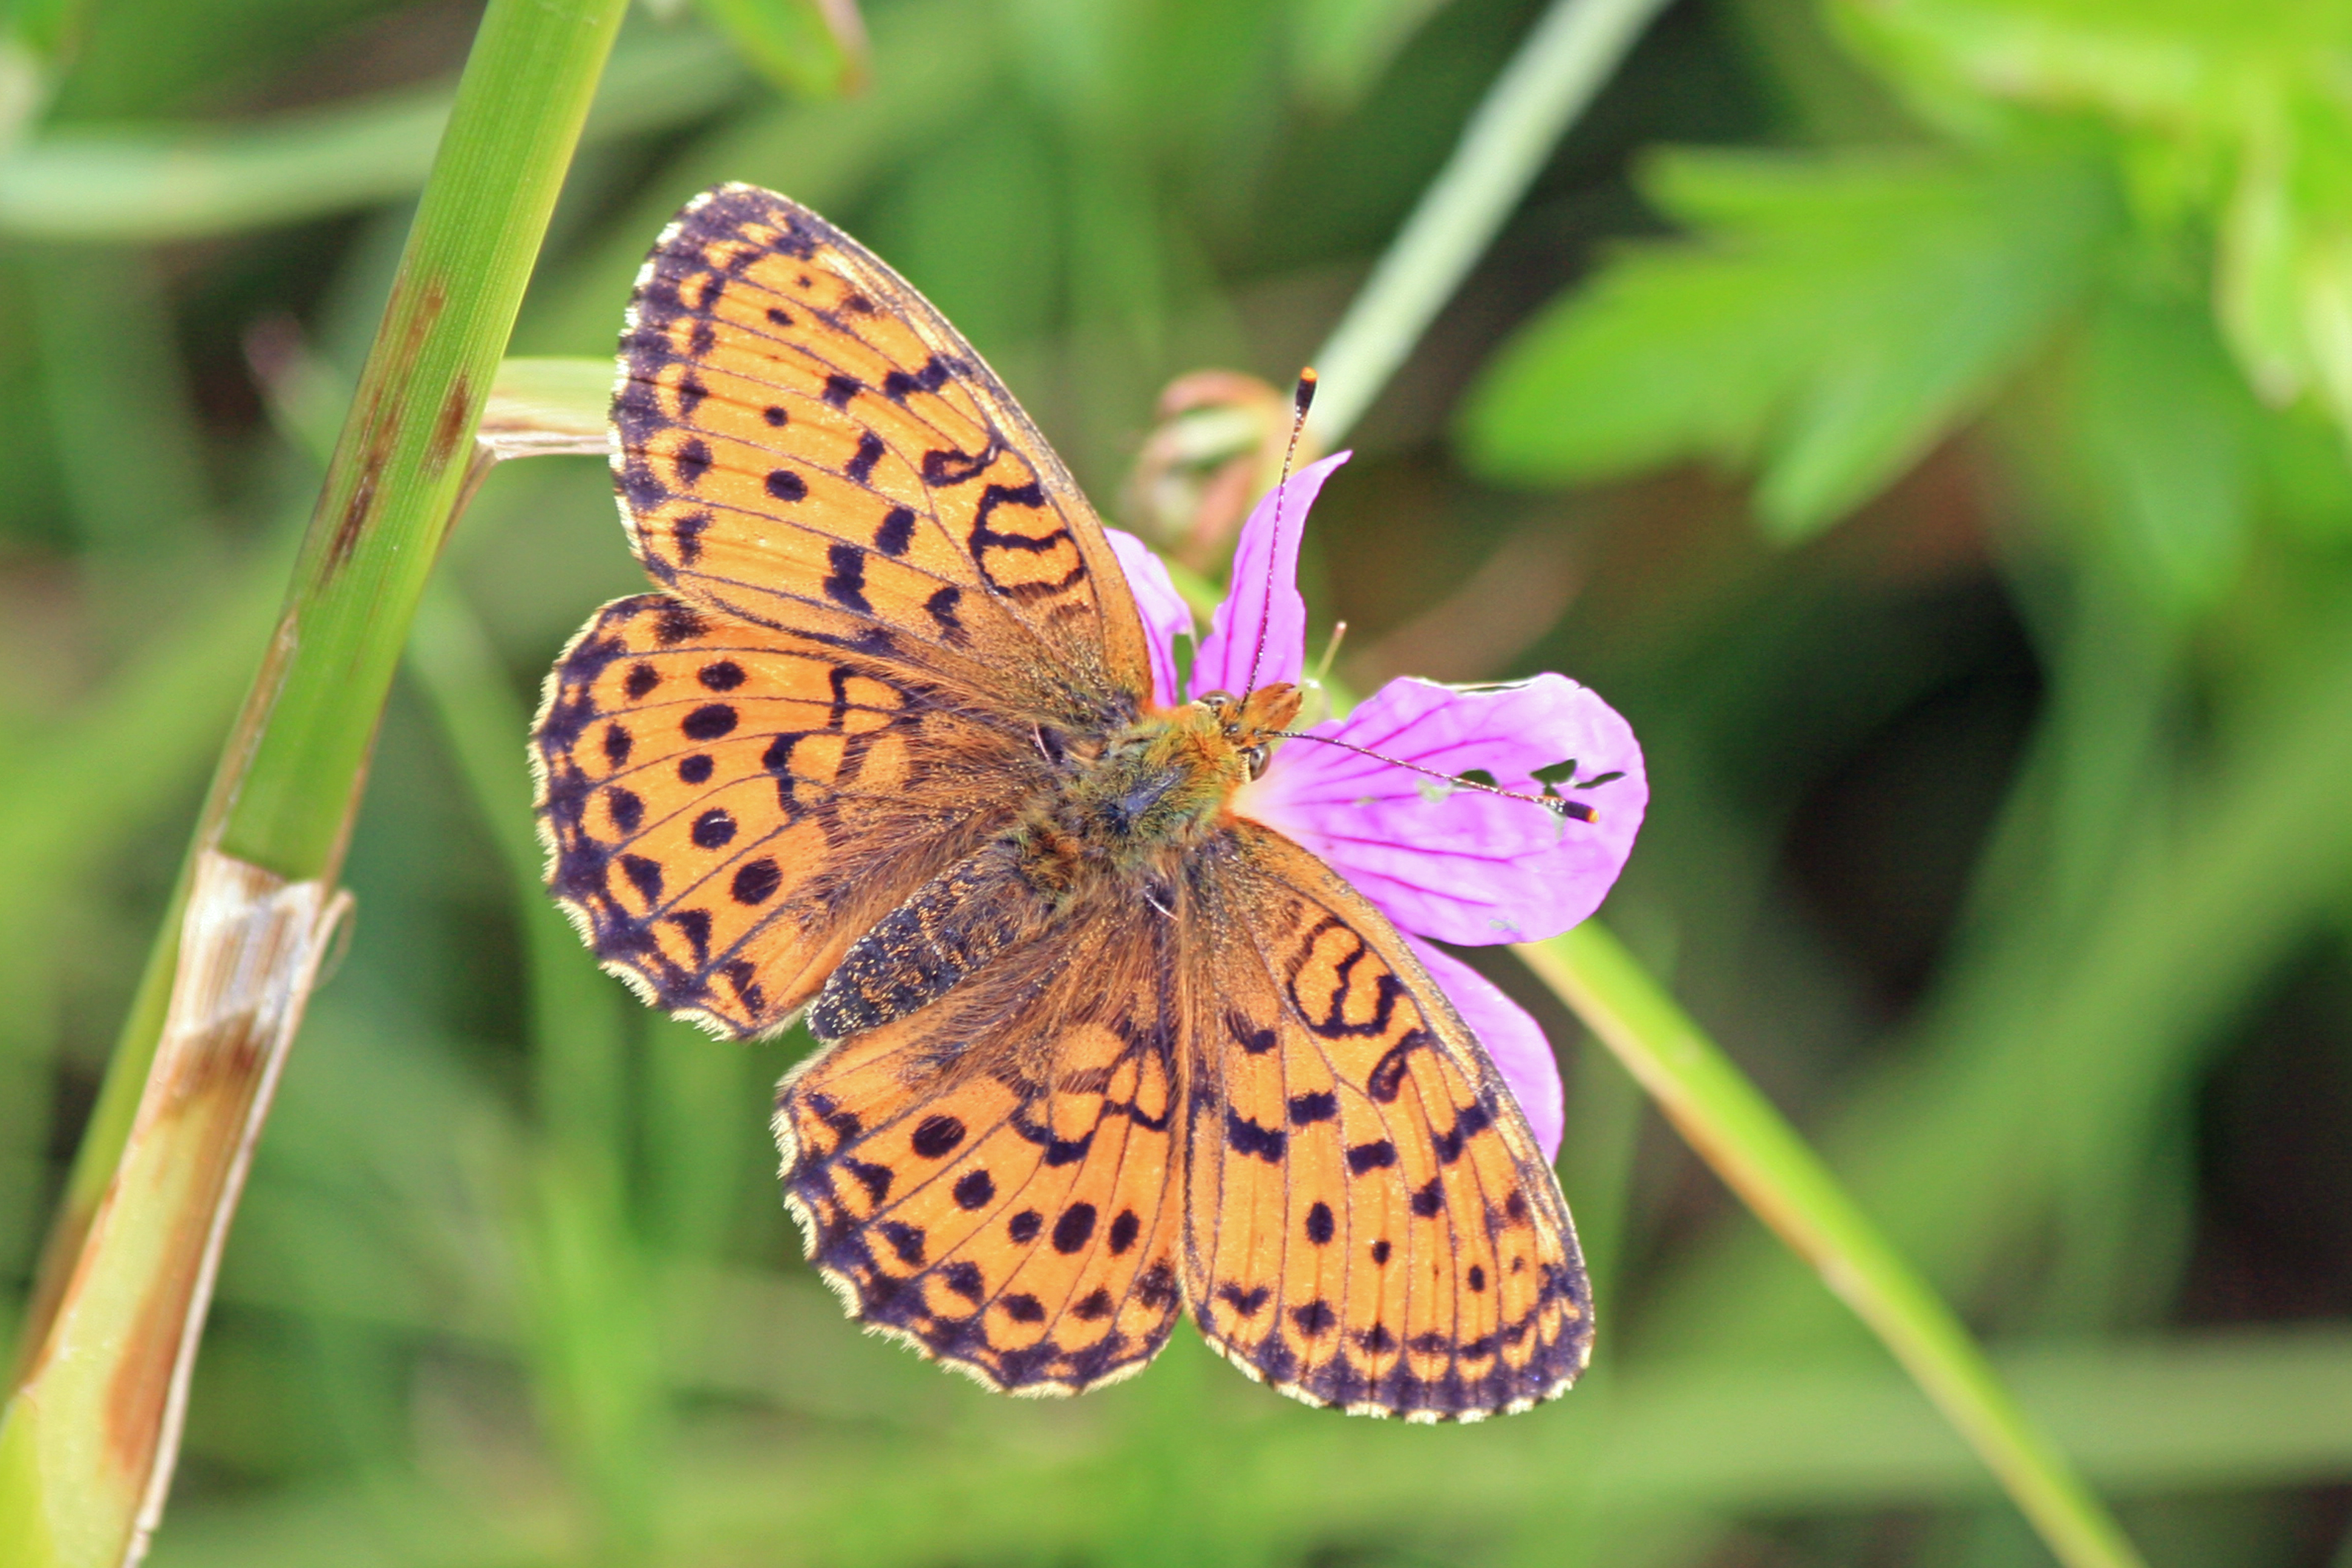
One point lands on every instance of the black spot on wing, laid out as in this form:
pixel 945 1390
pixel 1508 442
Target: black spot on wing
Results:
pixel 846 585
pixel 896 531
pixel 1246 1138
pixel 756 881
pixel 708 722
pixel 861 465
pixel 1255 1041
pixel 936 1135
pixel 941 608
pixel 1074 1227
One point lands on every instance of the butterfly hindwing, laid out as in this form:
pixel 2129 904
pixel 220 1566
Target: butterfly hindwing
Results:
pixel 990 1177
pixel 1370 1223
pixel 801 440
pixel 728 807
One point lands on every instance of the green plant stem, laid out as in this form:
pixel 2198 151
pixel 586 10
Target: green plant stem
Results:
pixel 1748 1143
pixel 127 1068
pixel 407 442
pixel 1956 1160
pixel 81 1462
pixel 1572 51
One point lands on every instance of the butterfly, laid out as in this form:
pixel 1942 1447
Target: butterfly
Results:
pixel 886 753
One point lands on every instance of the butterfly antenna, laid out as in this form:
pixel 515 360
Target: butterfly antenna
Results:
pixel 1301 399
pixel 1553 804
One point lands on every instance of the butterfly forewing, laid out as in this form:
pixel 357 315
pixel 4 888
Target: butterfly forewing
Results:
pixel 990 1178
pixel 801 440
pixel 1370 1223
pixel 728 807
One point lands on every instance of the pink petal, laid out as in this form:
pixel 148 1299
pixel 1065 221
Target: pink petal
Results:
pixel 1227 652
pixel 1514 1039
pixel 1459 865
pixel 1165 616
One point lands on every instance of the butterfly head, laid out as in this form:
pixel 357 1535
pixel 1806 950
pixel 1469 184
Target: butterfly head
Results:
pixel 1160 785
pixel 1251 724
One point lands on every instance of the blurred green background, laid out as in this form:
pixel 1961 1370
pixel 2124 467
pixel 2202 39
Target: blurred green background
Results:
pixel 1926 419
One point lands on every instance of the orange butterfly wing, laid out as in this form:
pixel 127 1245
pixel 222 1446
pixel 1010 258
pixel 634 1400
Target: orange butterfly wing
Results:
pixel 802 441
pixel 727 808
pixel 891 590
pixel 992 1178
pixel 1368 1221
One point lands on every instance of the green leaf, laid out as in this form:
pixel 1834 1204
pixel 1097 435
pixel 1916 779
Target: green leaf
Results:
pixel 2165 430
pixel 2284 276
pixel 1832 319
pixel 2133 60
pixel 814 48
pixel 2235 121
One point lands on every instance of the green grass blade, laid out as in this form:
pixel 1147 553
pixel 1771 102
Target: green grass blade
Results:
pixel 407 442
pixel 1752 1147
pixel 150 184
pixel 1572 49
pixel 86 1440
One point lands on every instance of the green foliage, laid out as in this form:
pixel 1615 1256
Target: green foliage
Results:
pixel 1852 309
pixel 1339 48
pixel 2167 431
pixel 2231 120
pixel 1844 314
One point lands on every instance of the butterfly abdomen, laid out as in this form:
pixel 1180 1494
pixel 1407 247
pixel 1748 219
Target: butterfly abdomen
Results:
pixel 945 930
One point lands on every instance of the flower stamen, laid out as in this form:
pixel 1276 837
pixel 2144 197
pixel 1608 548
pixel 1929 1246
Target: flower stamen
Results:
pixel 1331 652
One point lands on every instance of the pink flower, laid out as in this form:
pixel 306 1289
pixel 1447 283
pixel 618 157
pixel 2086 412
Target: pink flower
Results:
pixel 1453 864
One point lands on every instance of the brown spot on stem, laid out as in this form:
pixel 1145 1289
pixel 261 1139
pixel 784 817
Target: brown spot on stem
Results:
pixel 381 415
pixel 230 1056
pixel 449 429
pixel 361 504
pixel 141 1383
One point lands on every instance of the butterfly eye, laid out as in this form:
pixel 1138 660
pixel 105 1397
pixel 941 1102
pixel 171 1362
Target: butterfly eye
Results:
pixel 1218 703
pixel 1255 757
